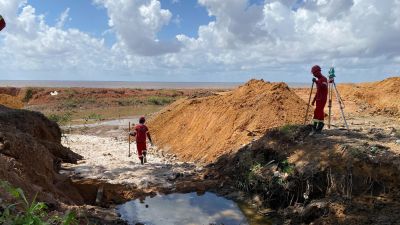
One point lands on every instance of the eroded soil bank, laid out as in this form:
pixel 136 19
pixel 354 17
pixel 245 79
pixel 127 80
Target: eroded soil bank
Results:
pixel 343 177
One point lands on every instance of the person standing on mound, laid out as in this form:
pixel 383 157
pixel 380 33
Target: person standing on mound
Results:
pixel 141 131
pixel 320 99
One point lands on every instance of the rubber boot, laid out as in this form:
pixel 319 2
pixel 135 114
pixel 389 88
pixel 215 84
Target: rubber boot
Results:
pixel 314 128
pixel 141 160
pixel 144 157
pixel 320 127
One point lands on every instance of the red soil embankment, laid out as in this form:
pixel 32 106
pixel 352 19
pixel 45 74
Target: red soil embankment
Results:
pixel 30 156
pixel 202 129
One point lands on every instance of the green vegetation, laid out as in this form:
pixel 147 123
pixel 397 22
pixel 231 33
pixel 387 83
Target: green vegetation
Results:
pixel 286 167
pixel 23 212
pixel 28 95
pixel 152 100
pixel 94 116
pixel 77 102
pixel 61 119
pixel 355 152
pixel 155 100
pixel 129 102
pixel 289 130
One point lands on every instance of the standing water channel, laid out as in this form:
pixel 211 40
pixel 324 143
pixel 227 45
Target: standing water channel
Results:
pixel 189 209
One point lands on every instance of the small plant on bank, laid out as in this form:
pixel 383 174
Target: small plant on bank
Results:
pixel 289 131
pixel 61 119
pixel 24 212
pixel 286 167
pixel 28 95
pixel 94 116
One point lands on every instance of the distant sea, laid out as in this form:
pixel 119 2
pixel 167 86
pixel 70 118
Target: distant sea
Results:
pixel 128 84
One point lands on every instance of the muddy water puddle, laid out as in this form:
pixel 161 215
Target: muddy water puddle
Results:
pixel 189 209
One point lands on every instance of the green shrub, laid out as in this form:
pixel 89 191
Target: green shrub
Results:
pixel 154 100
pixel 95 116
pixel 33 212
pixel 28 95
pixel 61 119
pixel 286 167
pixel 70 104
pixel 288 129
pixel 129 102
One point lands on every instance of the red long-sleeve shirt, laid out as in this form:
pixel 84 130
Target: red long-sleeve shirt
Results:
pixel 322 88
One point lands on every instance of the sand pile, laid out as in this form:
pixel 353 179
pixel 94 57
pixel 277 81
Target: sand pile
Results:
pixel 11 101
pixel 382 96
pixel 202 129
pixel 30 156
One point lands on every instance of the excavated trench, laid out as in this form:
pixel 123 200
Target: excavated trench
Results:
pixel 337 179
pixel 304 179
pixel 284 175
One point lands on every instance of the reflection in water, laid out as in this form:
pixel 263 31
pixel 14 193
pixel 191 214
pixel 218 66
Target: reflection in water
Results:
pixel 185 209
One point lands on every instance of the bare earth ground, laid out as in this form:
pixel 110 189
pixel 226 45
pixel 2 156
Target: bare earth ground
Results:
pixel 88 105
pixel 371 147
pixel 106 159
pixel 372 138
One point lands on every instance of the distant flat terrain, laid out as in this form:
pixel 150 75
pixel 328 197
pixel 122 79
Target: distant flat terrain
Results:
pixel 128 84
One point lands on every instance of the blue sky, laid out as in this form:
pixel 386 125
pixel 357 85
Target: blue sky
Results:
pixel 198 40
pixel 93 19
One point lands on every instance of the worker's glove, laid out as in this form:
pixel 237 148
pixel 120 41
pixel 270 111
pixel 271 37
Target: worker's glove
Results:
pixel 314 80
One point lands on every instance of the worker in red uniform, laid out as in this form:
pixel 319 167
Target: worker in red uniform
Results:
pixel 320 99
pixel 141 132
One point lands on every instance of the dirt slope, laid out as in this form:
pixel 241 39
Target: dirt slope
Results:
pixel 30 156
pixel 11 101
pixel 202 129
pixel 344 177
pixel 382 97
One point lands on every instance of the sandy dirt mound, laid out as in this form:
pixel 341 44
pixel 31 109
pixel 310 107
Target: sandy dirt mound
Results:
pixel 202 129
pixel 11 101
pixel 382 97
pixel 30 156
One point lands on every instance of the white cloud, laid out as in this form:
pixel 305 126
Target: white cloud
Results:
pixel 271 39
pixel 31 47
pixel 320 31
pixel 137 23
pixel 63 18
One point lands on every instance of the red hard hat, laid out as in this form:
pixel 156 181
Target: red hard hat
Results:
pixel 142 119
pixel 315 69
pixel 2 23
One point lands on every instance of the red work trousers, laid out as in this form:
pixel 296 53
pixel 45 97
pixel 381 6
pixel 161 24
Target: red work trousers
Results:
pixel 319 113
pixel 141 148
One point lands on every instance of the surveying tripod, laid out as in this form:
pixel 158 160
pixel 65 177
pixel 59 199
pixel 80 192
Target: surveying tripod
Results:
pixel 332 88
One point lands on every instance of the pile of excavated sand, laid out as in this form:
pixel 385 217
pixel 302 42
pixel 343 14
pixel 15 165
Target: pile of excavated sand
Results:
pixel 382 96
pixel 202 129
pixel 30 156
